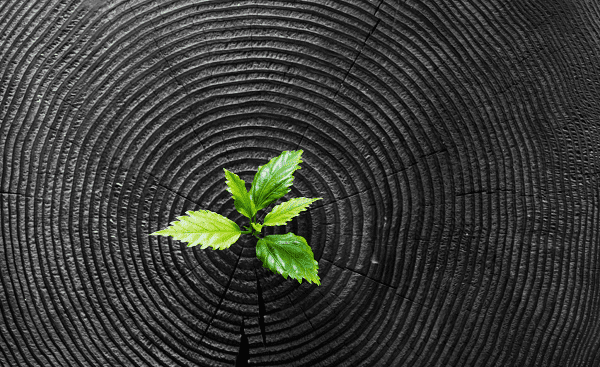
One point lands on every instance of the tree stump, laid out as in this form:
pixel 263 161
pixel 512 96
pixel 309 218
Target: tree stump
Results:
pixel 455 145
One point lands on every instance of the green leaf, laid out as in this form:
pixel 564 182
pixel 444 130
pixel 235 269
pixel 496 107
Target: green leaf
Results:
pixel 288 254
pixel 203 227
pixel 257 226
pixel 273 180
pixel 284 212
pixel 242 201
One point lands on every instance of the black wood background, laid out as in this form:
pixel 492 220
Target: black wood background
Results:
pixel 455 144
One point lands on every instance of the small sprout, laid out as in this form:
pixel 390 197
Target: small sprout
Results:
pixel 286 254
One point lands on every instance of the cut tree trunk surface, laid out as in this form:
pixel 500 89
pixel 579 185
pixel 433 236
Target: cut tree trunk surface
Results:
pixel 455 144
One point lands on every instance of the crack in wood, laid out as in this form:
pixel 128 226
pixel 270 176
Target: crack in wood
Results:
pixel 157 183
pixel 303 312
pixel 243 356
pixel 358 54
pixel 261 310
pixel 221 299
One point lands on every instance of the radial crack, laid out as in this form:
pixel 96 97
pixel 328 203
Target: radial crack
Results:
pixel 157 183
pixel 244 354
pixel 305 315
pixel 221 299
pixel 261 310
pixel 361 274
pixel 362 46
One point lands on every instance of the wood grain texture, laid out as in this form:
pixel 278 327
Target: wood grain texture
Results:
pixel 455 145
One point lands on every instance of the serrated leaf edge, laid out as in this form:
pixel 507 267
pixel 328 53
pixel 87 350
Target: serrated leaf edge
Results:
pixel 314 278
pixel 304 207
pixel 260 168
pixel 171 232
pixel 236 200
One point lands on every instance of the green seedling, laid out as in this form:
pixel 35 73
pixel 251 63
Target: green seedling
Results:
pixel 285 254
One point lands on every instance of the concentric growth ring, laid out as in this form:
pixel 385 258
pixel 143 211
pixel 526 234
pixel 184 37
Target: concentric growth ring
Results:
pixel 448 140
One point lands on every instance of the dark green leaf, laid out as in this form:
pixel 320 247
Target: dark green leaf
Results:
pixel 288 254
pixel 272 181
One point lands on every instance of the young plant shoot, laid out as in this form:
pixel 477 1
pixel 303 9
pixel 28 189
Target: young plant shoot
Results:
pixel 285 254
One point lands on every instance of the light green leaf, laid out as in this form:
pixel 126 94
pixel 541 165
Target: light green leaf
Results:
pixel 203 227
pixel 284 212
pixel 288 254
pixel 242 201
pixel 273 180
pixel 257 226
